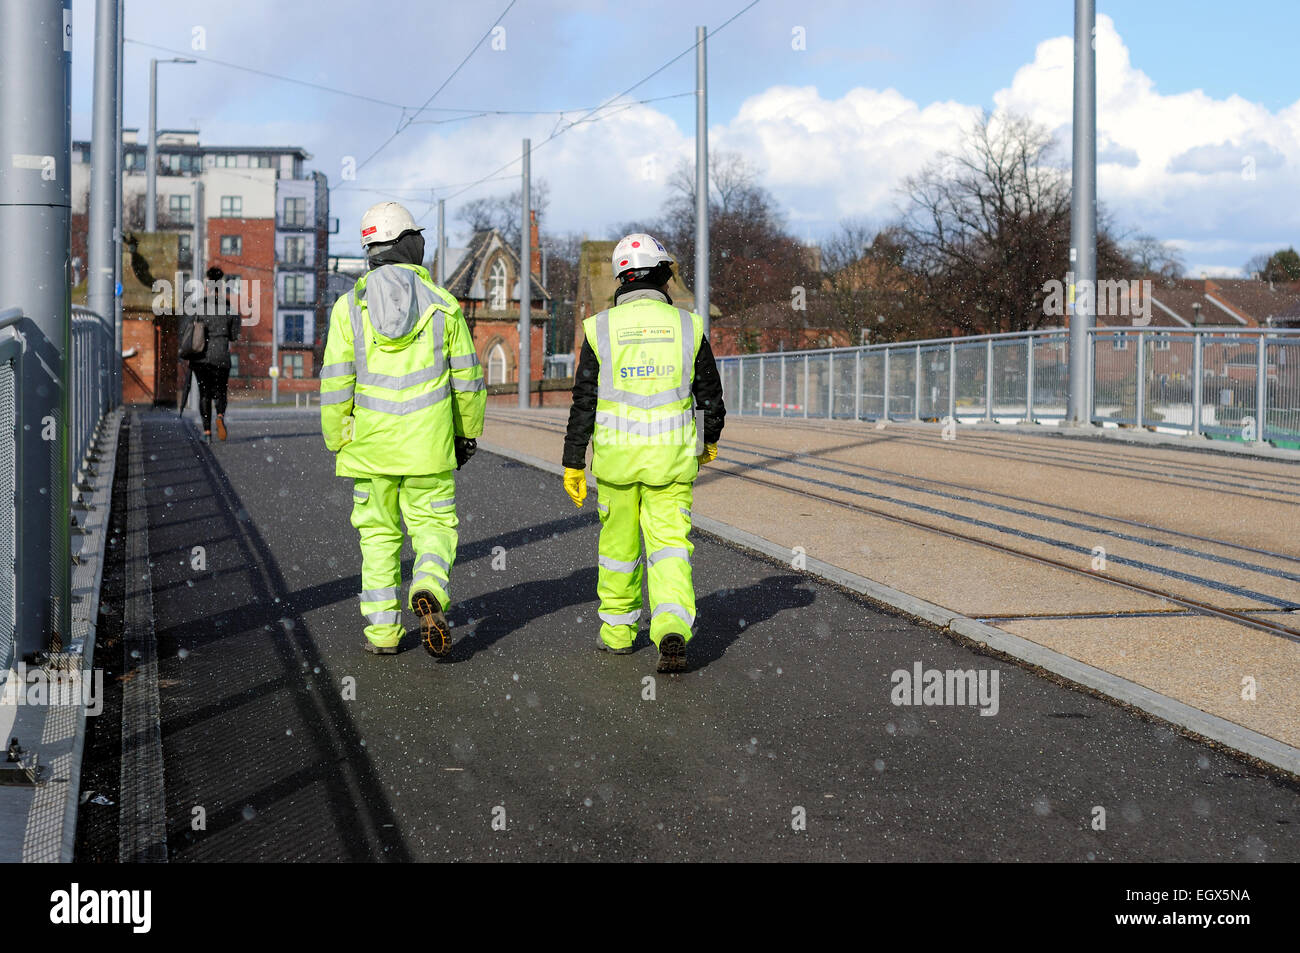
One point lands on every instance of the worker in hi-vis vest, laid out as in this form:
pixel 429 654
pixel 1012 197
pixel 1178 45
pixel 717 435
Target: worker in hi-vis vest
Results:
pixel 402 399
pixel 645 369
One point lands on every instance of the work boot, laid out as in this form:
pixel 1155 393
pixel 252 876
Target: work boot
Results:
pixel 380 649
pixel 221 426
pixel 600 644
pixel 434 631
pixel 672 653
pixel 207 437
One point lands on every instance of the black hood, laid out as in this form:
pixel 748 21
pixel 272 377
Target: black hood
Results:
pixel 407 250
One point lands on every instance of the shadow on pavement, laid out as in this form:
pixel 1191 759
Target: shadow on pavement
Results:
pixel 724 615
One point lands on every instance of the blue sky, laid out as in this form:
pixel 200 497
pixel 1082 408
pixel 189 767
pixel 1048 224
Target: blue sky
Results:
pixel 834 128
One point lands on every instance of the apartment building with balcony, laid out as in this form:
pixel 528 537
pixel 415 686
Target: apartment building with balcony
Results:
pixel 259 214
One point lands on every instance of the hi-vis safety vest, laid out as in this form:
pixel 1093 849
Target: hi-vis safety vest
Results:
pixel 400 361
pixel 645 412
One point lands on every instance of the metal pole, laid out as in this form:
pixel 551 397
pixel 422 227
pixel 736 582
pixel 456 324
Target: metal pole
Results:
pixel 916 397
pixel 35 261
pixel 1029 379
pixel 952 382
pixel 525 283
pixel 105 183
pixel 740 385
pixel 805 385
pixel 119 225
pixel 1197 372
pixel 198 239
pixel 1261 388
pixel 857 385
pixel 275 333
pixel 762 383
pixel 830 385
pixel 988 382
pixel 151 155
pixel 441 278
pixel 702 180
pixel 885 414
pixel 1140 392
pixel 783 397
pixel 1083 204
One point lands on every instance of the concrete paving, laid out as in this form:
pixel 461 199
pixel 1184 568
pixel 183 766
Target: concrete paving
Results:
pixel 1218 529
pixel 283 740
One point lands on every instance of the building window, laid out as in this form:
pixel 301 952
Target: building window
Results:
pixel 232 245
pixel 1120 341
pixel 295 250
pixel 295 289
pixel 295 212
pixel 1162 342
pixel 293 329
pixel 260 162
pixel 291 365
pixel 185 248
pixel 497 286
pixel 178 208
pixel 232 206
pixel 234 364
pixel 496 364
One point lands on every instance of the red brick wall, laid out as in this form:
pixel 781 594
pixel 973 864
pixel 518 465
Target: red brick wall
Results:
pixel 256 262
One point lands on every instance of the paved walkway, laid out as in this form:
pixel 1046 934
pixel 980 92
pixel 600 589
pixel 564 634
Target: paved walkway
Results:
pixel 299 746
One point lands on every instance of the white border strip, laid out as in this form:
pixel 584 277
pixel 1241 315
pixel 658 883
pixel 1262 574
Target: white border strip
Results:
pixel 1237 737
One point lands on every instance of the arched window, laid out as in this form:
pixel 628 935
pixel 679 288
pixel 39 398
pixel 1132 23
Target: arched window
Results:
pixel 497 286
pixel 496 364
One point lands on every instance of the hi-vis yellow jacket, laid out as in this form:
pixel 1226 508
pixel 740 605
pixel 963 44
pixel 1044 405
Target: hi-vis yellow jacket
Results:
pixel 400 361
pixel 645 412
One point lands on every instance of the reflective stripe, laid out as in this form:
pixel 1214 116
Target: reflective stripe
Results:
pixel 605 386
pixel 436 560
pixel 668 552
pixel 643 428
pixel 388 617
pixel 402 407
pixel 340 396
pixel 361 495
pixel 462 361
pixel 627 618
pixel 684 511
pixel 439 504
pixel 340 369
pixel 379 595
pixel 369 377
pixel 674 609
pixel 476 384
pixel 618 565
pixel 602 507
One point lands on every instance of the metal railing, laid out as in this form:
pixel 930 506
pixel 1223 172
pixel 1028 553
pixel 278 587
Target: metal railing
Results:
pixel 89 398
pixel 1249 380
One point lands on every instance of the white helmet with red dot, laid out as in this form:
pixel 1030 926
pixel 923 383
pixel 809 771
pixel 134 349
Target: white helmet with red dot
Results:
pixel 637 251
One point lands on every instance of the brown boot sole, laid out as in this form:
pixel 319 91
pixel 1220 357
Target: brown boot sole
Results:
pixel 433 627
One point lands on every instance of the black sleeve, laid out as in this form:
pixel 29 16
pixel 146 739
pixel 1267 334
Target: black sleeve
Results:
pixel 582 415
pixel 234 321
pixel 708 393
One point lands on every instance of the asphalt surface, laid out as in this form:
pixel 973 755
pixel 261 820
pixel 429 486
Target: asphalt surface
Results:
pixel 297 745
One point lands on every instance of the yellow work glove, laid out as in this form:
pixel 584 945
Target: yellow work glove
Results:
pixel 575 484
pixel 710 453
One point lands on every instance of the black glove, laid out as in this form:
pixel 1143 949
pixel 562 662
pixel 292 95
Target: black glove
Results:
pixel 464 450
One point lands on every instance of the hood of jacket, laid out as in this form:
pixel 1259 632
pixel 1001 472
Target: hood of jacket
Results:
pixel 398 301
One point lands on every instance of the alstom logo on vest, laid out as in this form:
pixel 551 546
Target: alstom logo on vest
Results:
pixel 647 370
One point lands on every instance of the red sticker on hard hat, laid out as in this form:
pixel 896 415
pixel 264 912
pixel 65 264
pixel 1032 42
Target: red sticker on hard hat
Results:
pixel 622 263
pixel 369 231
pixel 636 244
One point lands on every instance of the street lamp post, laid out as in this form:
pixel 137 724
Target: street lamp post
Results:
pixel 151 148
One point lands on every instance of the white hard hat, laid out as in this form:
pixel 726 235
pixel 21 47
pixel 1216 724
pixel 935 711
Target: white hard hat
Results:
pixel 639 250
pixel 386 222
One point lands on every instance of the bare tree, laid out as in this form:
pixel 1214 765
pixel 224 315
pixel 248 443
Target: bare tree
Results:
pixel 1151 256
pixel 988 225
pixel 505 212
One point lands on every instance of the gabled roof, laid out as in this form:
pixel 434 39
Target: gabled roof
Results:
pixel 467 278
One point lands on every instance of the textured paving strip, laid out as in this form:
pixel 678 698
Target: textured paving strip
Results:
pixel 144 832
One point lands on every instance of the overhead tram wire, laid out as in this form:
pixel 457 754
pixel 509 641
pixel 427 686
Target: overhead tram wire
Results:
pixel 404 125
pixel 613 99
